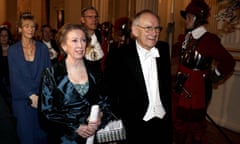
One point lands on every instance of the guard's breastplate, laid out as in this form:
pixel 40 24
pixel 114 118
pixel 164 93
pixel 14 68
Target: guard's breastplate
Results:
pixel 191 58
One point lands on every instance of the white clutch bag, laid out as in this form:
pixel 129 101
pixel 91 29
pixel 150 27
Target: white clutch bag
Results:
pixel 113 131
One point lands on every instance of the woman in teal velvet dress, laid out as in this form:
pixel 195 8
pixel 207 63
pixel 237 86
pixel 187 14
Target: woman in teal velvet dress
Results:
pixel 70 88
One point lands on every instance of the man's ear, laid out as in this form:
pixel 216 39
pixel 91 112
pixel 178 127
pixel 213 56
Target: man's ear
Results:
pixel 135 31
pixel 82 20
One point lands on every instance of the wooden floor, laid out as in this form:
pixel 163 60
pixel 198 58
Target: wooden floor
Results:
pixel 215 136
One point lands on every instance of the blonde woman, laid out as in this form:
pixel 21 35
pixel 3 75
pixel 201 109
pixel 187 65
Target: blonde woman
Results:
pixel 27 59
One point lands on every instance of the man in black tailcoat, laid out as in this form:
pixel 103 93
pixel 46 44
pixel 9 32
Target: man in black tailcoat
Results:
pixel 138 81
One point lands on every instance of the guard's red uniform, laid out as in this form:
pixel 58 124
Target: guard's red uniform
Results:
pixel 191 103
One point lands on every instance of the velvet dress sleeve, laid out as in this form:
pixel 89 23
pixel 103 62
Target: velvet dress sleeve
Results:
pixel 57 105
pixel 62 104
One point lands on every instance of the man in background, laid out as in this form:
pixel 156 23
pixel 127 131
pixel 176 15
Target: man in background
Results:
pixel 94 52
pixel 47 39
pixel 137 79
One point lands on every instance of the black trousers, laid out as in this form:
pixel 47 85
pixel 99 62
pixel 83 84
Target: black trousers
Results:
pixel 154 131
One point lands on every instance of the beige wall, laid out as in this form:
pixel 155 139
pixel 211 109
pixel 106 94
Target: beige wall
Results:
pixel 8 10
pixel 109 10
pixel 11 9
pixel 2 11
pixel 72 11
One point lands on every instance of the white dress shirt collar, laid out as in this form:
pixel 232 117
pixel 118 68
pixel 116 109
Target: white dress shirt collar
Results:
pixel 144 53
pixel 149 69
pixel 198 32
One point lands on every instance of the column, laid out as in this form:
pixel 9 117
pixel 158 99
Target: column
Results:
pixel 147 4
pixel 103 9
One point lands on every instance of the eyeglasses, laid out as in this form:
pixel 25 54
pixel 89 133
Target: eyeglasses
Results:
pixel 149 29
pixel 91 17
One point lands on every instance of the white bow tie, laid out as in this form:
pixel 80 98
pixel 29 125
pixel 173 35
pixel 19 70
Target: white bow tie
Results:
pixel 153 53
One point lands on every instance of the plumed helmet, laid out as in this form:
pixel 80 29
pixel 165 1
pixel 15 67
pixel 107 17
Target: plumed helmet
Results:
pixel 106 28
pixel 199 8
pixel 122 24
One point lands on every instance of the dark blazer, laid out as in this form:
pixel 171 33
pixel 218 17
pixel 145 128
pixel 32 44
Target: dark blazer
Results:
pixel 56 48
pixel 124 83
pixel 98 35
pixel 53 44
